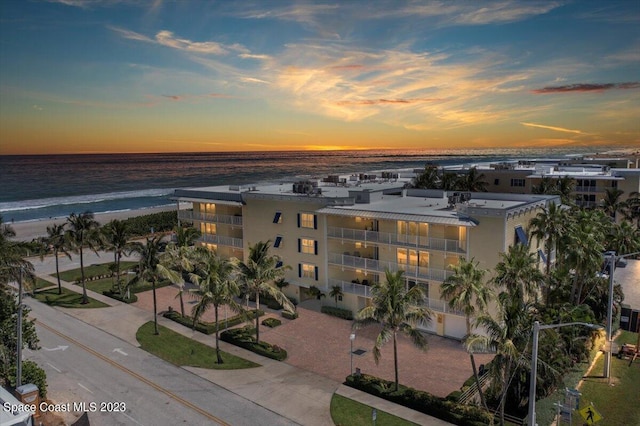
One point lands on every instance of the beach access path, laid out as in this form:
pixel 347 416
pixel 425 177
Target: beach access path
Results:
pixel 293 389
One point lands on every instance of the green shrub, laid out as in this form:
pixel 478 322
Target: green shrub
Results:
pixel 271 322
pixel 243 337
pixel 210 327
pixel 337 312
pixel 115 295
pixel 442 408
pixel 160 222
pixel 31 373
pixel 289 315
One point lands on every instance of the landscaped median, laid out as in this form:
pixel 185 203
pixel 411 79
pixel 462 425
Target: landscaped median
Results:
pixel 244 337
pixel 68 299
pixel 210 327
pixel 182 351
pixel 424 402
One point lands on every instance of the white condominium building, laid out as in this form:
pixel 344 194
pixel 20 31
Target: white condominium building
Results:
pixel 347 231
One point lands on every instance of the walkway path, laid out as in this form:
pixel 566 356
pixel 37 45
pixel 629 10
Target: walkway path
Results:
pixel 302 387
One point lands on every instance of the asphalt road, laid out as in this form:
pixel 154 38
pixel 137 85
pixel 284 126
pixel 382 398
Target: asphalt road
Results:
pixel 85 364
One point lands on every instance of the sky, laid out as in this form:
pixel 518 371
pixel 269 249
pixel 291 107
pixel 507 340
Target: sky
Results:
pixel 100 76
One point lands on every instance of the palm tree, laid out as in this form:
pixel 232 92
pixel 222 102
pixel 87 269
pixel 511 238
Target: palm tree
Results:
pixel 466 291
pixel 116 235
pixel 82 232
pixel 507 335
pixel 518 273
pixel 624 238
pixel 336 293
pixel 545 186
pixel 216 287
pixel 548 226
pixel 182 259
pixel 473 181
pixel 565 188
pixel 612 201
pixel 151 270
pixel 449 181
pixel 396 309
pixel 631 208
pixel 57 242
pixel 428 179
pixel 258 275
pixel 584 247
pixel 13 267
pixel 186 235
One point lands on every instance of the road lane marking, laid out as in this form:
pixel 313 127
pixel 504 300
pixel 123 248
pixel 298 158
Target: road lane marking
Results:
pixel 132 419
pixel 136 375
pixel 85 388
pixel 58 348
pixel 120 351
pixel 54 367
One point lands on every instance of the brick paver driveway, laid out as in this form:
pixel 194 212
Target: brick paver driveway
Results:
pixel 320 343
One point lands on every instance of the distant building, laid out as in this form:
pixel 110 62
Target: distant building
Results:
pixel 347 230
pixel 593 176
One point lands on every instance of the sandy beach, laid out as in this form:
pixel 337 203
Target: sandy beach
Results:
pixel 27 231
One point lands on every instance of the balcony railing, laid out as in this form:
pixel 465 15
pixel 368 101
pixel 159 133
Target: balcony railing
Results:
pixel 365 291
pixel 363 236
pixel 221 240
pixel 410 271
pixel 211 218
pixel 588 189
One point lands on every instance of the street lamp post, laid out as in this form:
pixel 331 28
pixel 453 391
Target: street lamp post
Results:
pixel 607 360
pixel 534 362
pixel 352 337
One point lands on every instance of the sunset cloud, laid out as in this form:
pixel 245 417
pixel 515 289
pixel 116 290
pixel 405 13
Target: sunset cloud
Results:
pixel 557 129
pixel 587 87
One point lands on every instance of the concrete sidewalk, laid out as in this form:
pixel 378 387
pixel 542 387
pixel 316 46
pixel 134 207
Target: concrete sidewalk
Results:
pixel 295 393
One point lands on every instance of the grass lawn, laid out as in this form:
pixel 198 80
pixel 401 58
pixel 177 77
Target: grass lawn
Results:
pixel 618 402
pixel 347 412
pixel 68 299
pixel 40 283
pixel 92 270
pixel 182 351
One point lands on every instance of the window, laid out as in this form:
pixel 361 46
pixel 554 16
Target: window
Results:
pixel 279 264
pixel 208 228
pixel 306 270
pixel 278 241
pixel 496 181
pixel 307 220
pixel 277 218
pixel 521 236
pixel 517 182
pixel 308 246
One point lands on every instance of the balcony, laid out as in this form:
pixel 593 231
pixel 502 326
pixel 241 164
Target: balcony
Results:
pixel 588 189
pixel 411 271
pixel 222 240
pixel 210 218
pixel 365 291
pixel 363 236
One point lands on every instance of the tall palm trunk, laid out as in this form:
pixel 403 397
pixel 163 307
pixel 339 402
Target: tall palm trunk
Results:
pixel 395 358
pixel 475 371
pixel 155 308
pixel 85 298
pixel 478 385
pixel 257 317
pixel 181 303
pixel 58 272
pixel 215 309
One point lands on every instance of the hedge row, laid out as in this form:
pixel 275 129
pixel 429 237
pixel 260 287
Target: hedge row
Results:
pixel 243 337
pixel 115 295
pixel 337 312
pixel 450 411
pixel 210 327
pixel 289 315
pixel 271 322
pixel 160 222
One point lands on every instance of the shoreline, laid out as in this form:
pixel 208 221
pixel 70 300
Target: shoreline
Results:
pixel 30 229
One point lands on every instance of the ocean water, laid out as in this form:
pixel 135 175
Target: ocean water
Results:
pixel 40 187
